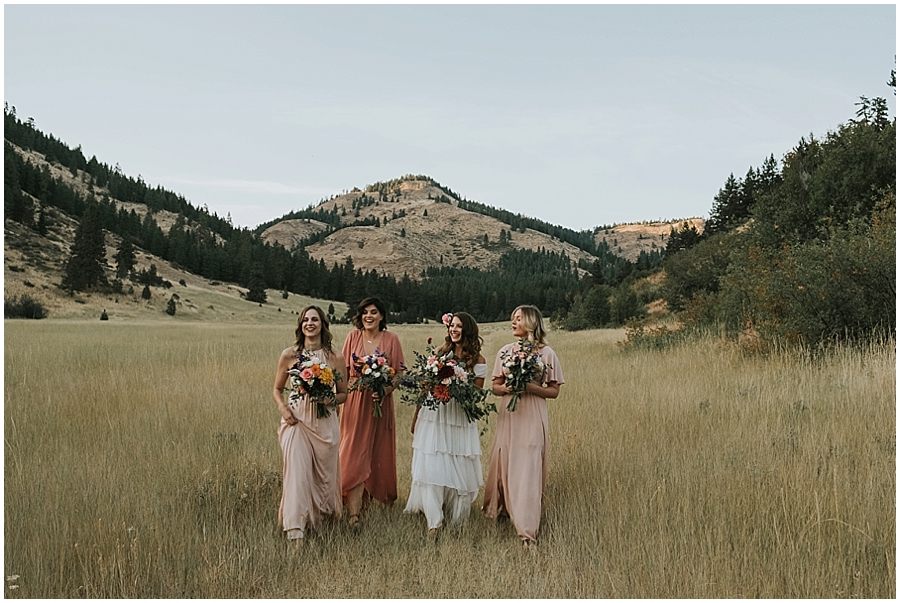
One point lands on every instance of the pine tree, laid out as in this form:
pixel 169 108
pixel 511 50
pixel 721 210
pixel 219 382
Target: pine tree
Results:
pixel 125 260
pixel 170 307
pixel 85 266
pixel 257 285
pixel 41 225
pixel 728 206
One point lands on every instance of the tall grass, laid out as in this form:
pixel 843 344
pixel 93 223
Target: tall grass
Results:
pixel 142 461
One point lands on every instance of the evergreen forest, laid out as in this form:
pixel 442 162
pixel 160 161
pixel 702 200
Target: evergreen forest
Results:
pixel 801 253
pixel 798 250
pixel 209 246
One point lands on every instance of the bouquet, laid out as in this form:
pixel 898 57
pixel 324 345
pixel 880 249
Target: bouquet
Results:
pixel 314 378
pixel 435 380
pixel 375 375
pixel 522 365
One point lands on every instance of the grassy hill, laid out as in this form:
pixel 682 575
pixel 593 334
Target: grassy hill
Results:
pixel 405 226
pixel 416 231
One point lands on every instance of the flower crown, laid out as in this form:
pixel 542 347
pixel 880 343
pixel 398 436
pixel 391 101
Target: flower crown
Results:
pixel 447 319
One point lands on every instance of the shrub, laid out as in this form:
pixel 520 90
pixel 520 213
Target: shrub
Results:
pixel 697 269
pixel 23 306
pixel 841 287
pixel 591 310
pixel 625 304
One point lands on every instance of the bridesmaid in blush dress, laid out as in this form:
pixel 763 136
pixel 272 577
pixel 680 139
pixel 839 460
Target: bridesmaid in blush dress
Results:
pixel 517 470
pixel 309 445
pixel 368 447
pixel 446 462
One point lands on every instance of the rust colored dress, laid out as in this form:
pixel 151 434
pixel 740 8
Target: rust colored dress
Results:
pixel 517 470
pixel 312 481
pixel 368 448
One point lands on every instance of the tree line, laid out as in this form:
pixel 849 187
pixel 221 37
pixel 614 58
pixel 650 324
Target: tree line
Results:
pixel 210 247
pixel 805 253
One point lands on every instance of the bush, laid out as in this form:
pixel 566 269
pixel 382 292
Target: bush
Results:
pixel 813 292
pixel 625 304
pixel 697 270
pixel 24 306
pixel 639 336
pixel 590 311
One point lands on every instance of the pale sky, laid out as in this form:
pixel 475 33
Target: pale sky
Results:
pixel 579 115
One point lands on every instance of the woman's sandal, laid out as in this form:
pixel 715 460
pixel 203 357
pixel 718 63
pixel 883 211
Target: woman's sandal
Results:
pixel 353 520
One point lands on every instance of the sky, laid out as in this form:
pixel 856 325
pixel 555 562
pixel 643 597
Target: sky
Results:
pixel 579 115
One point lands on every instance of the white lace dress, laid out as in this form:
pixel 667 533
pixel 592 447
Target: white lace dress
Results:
pixel 446 463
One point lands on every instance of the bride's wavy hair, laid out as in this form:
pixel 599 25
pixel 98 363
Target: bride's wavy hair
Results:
pixel 470 343
pixel 533 322
pixel 327 337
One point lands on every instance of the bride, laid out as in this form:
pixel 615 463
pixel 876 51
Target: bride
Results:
pixel 446 461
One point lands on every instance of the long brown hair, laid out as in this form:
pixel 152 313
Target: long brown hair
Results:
pixel 327 337
pixel 470 343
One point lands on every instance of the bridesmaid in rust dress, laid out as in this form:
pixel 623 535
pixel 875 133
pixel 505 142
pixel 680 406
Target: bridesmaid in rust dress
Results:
pixel 517 470
pixel 368 448
pixel 309 444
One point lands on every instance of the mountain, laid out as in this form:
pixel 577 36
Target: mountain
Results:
pixel 412 240
pixel 421 226
pixel 418 227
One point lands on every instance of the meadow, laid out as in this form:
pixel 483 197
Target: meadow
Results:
pixel 141 460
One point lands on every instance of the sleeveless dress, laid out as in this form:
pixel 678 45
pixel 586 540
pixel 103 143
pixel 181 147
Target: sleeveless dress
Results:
pixel 368 447
pixel 446 463
pixel 517 470
pixel 312 478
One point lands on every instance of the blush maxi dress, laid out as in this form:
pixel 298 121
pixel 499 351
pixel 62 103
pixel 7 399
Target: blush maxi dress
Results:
pixel 311 474
pixel 368 448
pixel 517 470
pixel 446 463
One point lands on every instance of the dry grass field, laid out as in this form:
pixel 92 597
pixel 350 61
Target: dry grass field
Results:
pixel 141 460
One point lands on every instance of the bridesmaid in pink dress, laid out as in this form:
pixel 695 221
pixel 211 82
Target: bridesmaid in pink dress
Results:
pixel 368 444
pixel 517 470
pixel 309 445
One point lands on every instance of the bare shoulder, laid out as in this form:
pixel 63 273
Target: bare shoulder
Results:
pixel 337 359
pixel 481 359
pixel 288 353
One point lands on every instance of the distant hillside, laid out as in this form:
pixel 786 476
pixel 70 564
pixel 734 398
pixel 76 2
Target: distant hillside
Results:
pixel 416 227
pixel 629 240
pixel 414 242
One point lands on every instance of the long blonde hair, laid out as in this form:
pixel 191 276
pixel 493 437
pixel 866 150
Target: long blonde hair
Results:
pixel 533 322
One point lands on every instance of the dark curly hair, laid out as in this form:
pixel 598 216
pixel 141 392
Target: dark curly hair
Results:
pixel 470 343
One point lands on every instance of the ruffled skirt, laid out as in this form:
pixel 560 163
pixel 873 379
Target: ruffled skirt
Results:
pixel 446 465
